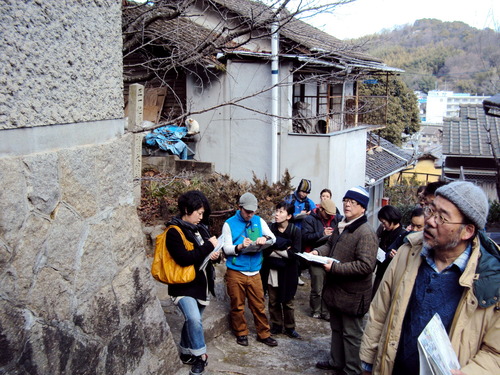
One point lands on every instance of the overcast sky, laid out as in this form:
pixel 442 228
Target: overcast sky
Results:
pixel 364 17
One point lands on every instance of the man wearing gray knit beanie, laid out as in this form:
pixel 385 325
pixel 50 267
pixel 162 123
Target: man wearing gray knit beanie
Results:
pixel 453 270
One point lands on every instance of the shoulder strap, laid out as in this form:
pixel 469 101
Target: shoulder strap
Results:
pixel 189 245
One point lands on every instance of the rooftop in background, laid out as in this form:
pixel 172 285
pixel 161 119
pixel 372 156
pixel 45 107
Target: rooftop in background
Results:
pixel 467 135
pixel 383 159
pixel 491 106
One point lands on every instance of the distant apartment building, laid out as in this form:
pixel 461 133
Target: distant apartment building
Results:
pixel 441 104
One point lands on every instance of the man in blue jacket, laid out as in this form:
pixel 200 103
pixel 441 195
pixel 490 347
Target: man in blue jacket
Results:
pixel 300 200
pixel 245 235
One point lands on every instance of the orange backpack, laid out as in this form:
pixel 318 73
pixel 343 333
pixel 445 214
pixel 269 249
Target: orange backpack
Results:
pixel 164 267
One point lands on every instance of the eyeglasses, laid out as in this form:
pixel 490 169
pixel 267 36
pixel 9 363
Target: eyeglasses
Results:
pixel 440 220
pixel 352 202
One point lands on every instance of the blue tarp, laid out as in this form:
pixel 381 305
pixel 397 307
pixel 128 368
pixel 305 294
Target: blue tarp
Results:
pixel 168 138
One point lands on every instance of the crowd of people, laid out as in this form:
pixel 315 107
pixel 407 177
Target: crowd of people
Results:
pixel 442 262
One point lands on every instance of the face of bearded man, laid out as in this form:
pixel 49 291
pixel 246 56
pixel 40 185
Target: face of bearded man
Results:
pixel 444 228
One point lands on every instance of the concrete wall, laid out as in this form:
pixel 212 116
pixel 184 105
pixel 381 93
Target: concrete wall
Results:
pixel 76 295
pixel 59 69
pixel 335 161
pixel 238 141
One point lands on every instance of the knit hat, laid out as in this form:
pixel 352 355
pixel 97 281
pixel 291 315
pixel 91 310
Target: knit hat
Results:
pixel 359 194
pixel 305 186
pixel 248 202
pixel 328 206
pixel 470 199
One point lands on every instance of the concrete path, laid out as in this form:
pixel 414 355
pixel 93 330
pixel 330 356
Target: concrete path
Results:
pixel 291 356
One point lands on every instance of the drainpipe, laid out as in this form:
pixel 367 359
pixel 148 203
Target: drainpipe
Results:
pixel 274 100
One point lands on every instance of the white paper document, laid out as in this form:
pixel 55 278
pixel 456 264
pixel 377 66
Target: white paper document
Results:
pixel 380 255
pixel 436 355
pixel 317 258
pixel 217 248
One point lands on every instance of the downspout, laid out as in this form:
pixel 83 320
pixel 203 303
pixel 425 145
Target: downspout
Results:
pixel 274 99
pixel 343 116
pixel 356 105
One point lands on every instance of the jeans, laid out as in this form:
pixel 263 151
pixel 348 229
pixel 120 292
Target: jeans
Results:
pixel 192 336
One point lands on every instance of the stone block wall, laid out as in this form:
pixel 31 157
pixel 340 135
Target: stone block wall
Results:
pixel 76 294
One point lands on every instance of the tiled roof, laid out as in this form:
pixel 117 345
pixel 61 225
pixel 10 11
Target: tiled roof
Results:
pixel 383 159
pixel 310 40
pixel 297 37
pixel 467 135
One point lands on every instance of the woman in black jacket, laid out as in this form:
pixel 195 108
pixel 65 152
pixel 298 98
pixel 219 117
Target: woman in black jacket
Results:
pixel 188 243
pixel 390 233
pixel 280 273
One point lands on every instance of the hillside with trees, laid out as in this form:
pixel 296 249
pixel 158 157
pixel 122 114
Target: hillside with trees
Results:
pixel 449 56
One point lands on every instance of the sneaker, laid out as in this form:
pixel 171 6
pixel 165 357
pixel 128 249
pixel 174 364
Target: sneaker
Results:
pixel 300 282
pixel 199 365
pixel 325 365
pixel 242 340
pixel 275 329
pixel 188 359
pixel 293 334
pixel 269 341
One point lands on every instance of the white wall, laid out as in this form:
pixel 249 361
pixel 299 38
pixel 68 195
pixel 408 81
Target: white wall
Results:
pixel 238 141
pixel 335 161
pixel 235 139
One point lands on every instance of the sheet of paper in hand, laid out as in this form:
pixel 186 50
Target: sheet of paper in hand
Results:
pixel 317 258
pixel 436 355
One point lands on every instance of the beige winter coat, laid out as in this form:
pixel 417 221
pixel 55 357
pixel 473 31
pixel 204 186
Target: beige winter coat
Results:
pixel 475 331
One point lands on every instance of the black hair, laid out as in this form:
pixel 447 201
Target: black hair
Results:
pixel 419 211
pixel 289 208
pixel 391 214
pixel 191 201
pixel 420 189
pixel 431 187
pixel 325 191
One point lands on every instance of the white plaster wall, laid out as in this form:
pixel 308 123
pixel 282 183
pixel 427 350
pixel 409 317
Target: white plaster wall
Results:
pixel 211 19
pixel 235 139
pixel 322 159
pixel 238 141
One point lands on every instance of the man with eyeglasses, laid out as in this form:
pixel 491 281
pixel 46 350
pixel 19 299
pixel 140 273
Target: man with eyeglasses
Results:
pixel 451 269
pixel 348 287
pixel 241 232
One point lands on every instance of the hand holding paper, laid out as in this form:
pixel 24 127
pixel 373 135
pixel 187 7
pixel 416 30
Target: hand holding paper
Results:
pixel 215 253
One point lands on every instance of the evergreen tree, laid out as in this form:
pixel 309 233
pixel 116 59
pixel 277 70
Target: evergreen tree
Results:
pixel 402 108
